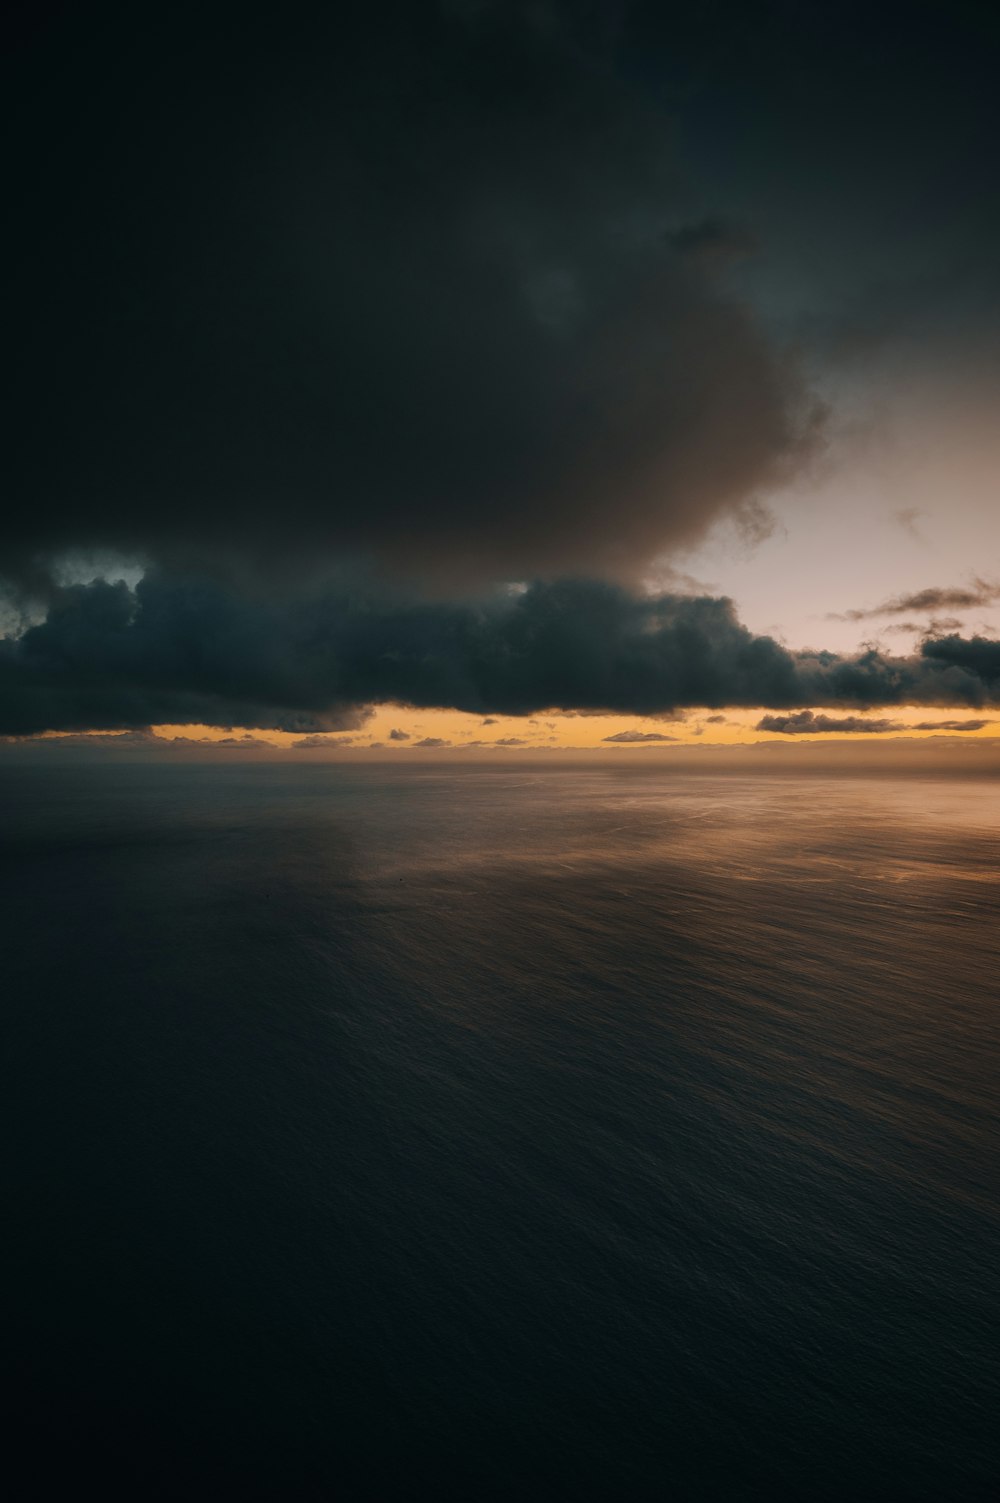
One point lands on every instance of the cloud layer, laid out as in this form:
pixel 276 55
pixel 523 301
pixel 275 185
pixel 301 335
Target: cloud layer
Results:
pixel 934 598
pixel 807 723
pixel 334 320
pixel 406 281
pixel 638 738
pixel 187 651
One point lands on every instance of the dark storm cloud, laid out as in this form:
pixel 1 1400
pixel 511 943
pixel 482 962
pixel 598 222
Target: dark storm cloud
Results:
pixel 935 598
pixel 856 139
pixel 453 283
pixel 410 280
pixel 186 651
pixel 806 723
pixel 976 655
pixel 456 289
pixel 171 653
pixel 713 240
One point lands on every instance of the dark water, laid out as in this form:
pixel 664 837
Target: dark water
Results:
pixel 494 1133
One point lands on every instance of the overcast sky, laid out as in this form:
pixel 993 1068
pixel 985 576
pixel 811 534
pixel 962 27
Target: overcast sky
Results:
pixel 464 355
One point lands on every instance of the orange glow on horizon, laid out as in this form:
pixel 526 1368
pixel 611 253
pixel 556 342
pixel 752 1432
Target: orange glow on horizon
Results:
pixel 430 732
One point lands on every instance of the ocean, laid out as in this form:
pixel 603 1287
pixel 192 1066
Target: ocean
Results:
pixel 551 1132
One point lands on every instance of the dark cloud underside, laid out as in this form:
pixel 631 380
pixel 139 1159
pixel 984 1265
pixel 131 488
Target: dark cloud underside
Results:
pixel 188 651
pixel 409 279
pixel 446 295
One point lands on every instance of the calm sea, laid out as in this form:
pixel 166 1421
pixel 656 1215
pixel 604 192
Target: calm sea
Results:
pixel 513 1133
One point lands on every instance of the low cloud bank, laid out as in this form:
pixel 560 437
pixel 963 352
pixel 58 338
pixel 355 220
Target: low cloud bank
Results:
pixel 805 723
pixel 177 650
pixel 636 738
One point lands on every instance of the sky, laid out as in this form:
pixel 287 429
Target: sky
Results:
pixel 508 376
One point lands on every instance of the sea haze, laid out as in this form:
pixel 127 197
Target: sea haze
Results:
pixel 526 1132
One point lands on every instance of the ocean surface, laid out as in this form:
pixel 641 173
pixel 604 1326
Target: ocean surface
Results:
pixel 500 1132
